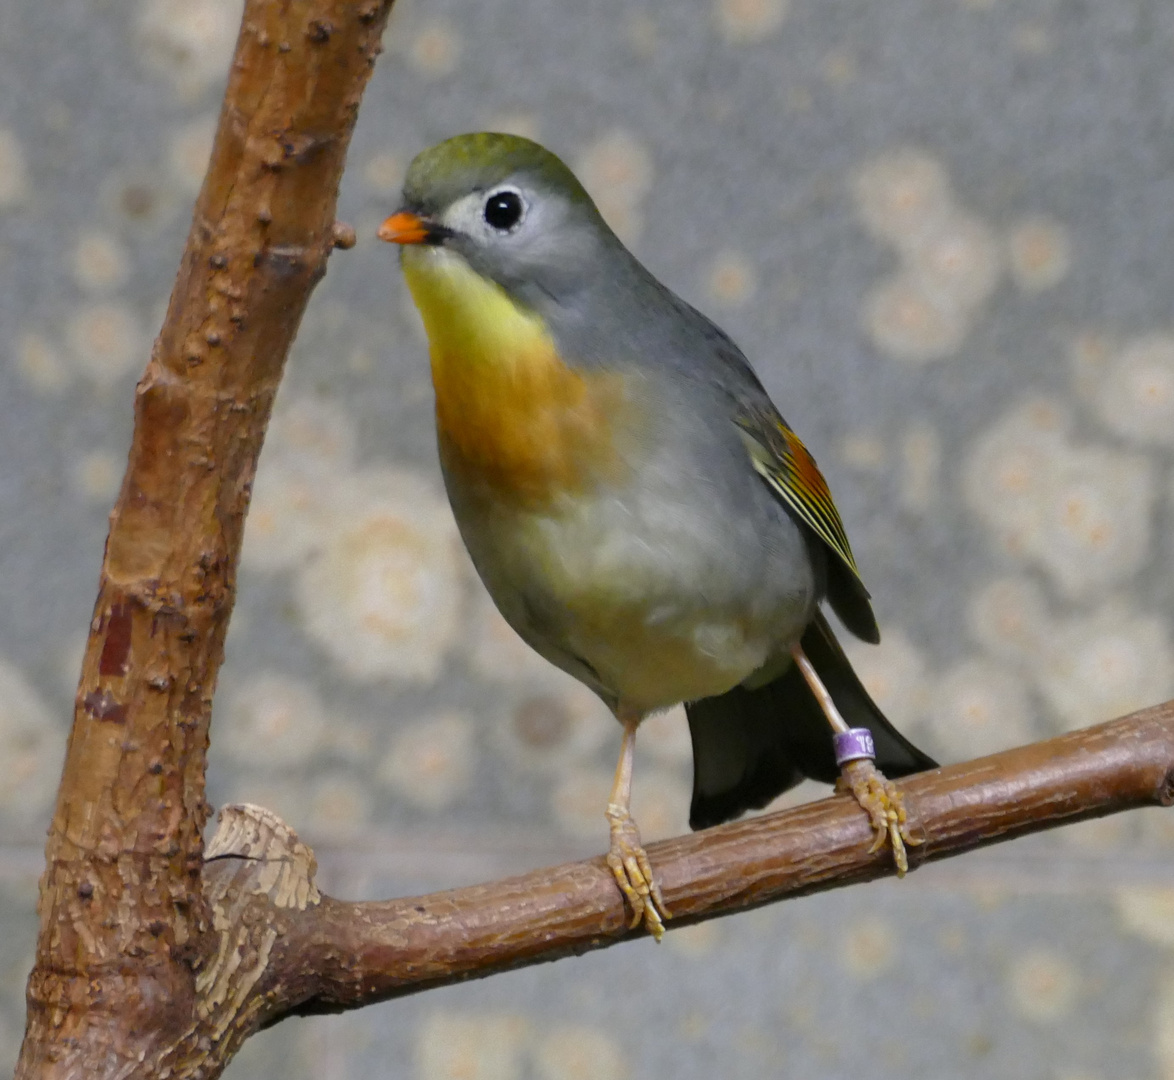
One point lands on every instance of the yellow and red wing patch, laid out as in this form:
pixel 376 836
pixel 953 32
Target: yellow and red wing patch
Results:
pixel 781 459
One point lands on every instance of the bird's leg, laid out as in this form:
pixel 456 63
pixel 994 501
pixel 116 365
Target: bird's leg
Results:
pixel 880 797
pixel 626 856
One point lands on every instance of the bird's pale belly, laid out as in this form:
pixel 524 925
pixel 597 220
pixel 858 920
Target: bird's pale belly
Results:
pixel 652 663
pixel 648 605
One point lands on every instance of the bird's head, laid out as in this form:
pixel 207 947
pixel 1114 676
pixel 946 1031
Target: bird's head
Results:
pixel 507 207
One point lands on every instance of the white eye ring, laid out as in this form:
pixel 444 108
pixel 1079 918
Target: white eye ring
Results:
pixel 504 209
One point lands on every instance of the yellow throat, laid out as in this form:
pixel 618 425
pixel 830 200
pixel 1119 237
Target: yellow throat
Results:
pixel 510 415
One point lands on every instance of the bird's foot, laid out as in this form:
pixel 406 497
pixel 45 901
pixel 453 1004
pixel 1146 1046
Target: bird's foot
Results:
pixel 885 805
pixel 633 873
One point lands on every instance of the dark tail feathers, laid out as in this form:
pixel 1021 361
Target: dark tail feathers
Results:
pixel 751 745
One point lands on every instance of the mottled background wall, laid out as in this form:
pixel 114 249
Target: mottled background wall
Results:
pixel 943 231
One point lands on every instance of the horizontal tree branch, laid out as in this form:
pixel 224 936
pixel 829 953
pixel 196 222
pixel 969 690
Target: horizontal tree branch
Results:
pixel 329 955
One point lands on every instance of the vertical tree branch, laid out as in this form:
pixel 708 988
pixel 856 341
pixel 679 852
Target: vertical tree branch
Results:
pixel 124 919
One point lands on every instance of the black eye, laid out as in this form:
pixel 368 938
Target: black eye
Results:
pixel 503 210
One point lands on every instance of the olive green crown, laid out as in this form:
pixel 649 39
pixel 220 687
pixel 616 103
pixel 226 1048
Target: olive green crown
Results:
pixel 480 161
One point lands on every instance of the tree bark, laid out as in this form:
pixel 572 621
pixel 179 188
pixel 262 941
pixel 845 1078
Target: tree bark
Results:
pixel 154 960
pixel 329 955
pixel 125 922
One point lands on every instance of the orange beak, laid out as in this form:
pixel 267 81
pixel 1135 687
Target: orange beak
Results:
pixel 405 227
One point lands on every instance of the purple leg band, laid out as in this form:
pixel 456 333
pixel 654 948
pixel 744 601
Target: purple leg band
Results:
pixel 854 744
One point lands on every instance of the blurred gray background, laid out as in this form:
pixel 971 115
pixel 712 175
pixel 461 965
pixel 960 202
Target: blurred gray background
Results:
pixel 944 232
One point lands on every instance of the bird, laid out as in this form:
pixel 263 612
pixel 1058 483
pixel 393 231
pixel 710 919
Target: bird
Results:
pixel 632 499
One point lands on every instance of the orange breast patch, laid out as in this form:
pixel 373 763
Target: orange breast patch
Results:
pixel 529 428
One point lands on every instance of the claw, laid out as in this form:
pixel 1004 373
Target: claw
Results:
pixel 633 873
pixel 882 800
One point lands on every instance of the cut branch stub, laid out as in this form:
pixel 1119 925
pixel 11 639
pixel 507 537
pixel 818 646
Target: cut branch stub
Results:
pixel 257 866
